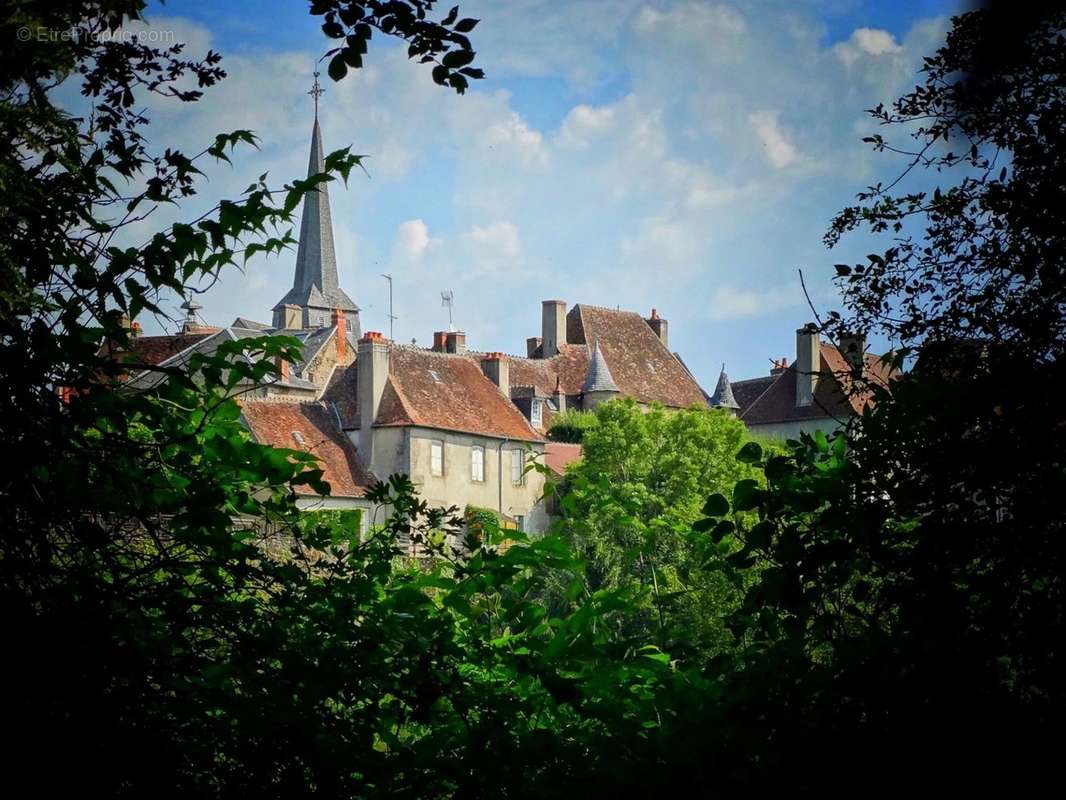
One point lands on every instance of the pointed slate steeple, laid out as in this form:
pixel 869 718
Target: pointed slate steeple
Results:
pixel 723 393
pixel 599 377
pixel 315 288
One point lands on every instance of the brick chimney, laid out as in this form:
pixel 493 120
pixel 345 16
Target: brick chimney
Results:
pixel 779 365
pixel 372 364
pixel 808 363
pixel 497 368
pixel 455 342
pixel 659 325
pixel 532 343
pixel 283 368
pixel 440 341
pixel 340 322
pixel 552 326
pixel 853 348
pixel 135 330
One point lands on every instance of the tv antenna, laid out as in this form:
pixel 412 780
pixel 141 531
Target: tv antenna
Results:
pixel 447 298
pixel 391 316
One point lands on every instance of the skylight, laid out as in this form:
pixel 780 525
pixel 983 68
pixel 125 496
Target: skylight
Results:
pixel 434 375
pixel 299 437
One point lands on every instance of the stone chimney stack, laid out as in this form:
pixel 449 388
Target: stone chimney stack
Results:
pixel 288 317
pixel 373 365
pixel 552 326
pixel 340 321
pixel 455 342
pixel 497 368
pixel 532 343
pixel 559 396
pixel 808 363
pixel 853 348
pixel 659 325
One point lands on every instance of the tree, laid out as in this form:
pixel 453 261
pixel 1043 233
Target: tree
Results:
pixel 913 602
pixel 629 505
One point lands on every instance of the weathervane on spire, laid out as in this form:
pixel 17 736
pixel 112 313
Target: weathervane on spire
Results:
pixel 316 92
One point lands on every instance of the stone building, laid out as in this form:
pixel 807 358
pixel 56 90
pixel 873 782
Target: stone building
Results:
pixel 812 393
pixel 464 424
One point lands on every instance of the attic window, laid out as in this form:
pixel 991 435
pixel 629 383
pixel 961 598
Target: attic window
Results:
pixel 299 437
pixel 434 375
pixel 535 415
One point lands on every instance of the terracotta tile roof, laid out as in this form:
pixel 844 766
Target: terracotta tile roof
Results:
pixel 278 423
pixel 569 366
pixel 342 393
pixel 449 392
pixel 640 363
pixel 773 399
pixel 557 455
pixel 157 349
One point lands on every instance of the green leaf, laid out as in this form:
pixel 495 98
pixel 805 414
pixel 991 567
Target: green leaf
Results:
pixel 746 495
pixel 750 453
pixel 337 67
pixel 716 505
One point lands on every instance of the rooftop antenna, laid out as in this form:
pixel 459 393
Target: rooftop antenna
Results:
pixel 391 316
pixel 447 298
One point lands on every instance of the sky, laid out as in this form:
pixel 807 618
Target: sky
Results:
pixel 682 156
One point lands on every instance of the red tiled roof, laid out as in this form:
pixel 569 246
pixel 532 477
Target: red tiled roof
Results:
pixel 641 365
pixel 343 392
pixel 773 399
pixel 557 455
pixel 157 349
pixel 274 423
pixel 449 392
pixel 569 366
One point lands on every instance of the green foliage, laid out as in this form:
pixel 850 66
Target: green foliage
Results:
pixel 629 506
pixel 570 425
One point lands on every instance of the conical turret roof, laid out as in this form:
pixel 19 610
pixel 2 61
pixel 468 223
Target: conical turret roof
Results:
pixel 599 377
pixel 723 393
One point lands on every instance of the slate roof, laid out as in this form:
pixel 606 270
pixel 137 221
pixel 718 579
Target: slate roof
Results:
pixel 773 399
pixel 277 423
pixel 250 324
pixel 599 377
pixel 316 283
pixel 641 365
pixel 723 393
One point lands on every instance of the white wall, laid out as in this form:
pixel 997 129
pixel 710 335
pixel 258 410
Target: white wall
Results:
pixel 456 487
pixel 792 429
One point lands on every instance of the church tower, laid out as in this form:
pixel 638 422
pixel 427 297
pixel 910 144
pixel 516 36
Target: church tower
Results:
pixel 315 292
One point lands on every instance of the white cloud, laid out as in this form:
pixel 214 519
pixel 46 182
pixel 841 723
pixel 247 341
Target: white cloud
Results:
pixel 412 241
pixel 494 248
pixel 779 150
pixel 869 42
pixel 731 302
pixel 513 136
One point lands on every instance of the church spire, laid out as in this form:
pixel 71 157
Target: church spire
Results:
pixel 315 288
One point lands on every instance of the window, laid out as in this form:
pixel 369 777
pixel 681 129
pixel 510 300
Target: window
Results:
pixel 477 463
pixel 535 415
pixel 517 466
pixel 436 457
pixel 520 522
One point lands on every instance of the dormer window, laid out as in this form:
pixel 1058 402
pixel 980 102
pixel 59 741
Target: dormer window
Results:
pixel 536 415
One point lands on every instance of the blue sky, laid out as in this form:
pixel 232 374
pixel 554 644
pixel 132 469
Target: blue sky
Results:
pixel 686 156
